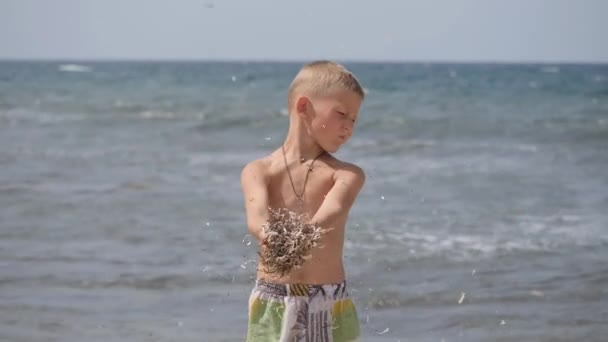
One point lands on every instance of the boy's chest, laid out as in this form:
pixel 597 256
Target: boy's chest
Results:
pixel 300 185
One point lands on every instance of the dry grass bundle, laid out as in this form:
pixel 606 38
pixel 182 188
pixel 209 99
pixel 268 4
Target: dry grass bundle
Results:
pixel 289 240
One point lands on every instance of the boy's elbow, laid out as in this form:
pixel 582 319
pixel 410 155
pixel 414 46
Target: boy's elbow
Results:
pixel 255 231
pixel 329 214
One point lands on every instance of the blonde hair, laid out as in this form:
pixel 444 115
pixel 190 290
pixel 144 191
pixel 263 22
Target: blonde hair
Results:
pixel 323 77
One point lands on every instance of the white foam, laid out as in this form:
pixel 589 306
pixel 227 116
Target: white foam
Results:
pixel 528 234
pixel 524 147
pixel 74 68
pixel 360 142
pixel 157 115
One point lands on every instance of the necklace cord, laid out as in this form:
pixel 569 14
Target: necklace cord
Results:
pixel 293 187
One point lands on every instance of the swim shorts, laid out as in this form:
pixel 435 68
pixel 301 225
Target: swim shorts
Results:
pixel 301 312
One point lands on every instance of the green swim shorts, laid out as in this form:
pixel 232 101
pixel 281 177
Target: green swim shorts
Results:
pixel 299 312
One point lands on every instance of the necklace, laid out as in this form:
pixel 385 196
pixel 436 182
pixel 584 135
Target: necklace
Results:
pixel 299 198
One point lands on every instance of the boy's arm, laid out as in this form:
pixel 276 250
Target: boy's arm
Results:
pixel 255 191
pixel 340 198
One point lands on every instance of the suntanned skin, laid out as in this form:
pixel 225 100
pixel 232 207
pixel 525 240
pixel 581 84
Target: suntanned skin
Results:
pixel 317 124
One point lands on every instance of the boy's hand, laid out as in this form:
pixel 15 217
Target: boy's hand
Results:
pixel 263 239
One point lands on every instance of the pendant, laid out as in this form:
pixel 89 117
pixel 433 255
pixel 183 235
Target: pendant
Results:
pixel 300 202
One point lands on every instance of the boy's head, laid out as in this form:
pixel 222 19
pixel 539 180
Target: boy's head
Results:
pixel 326 97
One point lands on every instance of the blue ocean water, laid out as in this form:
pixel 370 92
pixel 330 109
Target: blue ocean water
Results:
pixel 484 215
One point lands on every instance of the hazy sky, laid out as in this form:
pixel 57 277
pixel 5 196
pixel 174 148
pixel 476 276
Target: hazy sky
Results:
pixel 401 30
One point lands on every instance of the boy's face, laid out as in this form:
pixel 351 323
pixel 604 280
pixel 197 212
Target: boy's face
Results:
pixel 332 118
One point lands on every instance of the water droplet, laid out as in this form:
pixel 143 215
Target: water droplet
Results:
pixel 462 295
pixel 473 272
pixel 244 265
pixel 382 197
pixel 503 322
pixel 384 331
pixel 268 138
pixel 207 223
pixel 179 324
pixel 233 78
pixel 537 293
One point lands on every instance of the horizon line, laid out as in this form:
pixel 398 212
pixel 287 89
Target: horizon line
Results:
pixel 290 60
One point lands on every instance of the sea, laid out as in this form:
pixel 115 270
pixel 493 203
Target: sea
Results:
pixel 484 216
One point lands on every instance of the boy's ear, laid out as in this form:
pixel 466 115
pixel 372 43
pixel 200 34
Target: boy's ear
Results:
pixel 302 105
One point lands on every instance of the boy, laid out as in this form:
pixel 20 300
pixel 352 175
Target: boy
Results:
pixel 310 303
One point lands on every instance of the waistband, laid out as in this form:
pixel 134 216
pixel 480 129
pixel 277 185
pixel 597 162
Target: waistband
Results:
pixel 337 290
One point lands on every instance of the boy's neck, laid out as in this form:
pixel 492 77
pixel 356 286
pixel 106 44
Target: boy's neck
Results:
pixel 300 145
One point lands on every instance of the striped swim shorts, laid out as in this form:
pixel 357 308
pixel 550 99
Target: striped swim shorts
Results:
pixel 299 312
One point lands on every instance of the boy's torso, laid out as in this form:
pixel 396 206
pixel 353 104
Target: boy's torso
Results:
pixel 325 265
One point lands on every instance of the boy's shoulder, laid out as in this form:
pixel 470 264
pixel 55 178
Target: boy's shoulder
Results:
pixel 347 171
pixel 257 167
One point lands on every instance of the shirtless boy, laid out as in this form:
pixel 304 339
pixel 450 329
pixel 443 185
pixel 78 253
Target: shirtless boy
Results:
pixel 312 302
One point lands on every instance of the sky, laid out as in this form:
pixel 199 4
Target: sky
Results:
pixel 380 30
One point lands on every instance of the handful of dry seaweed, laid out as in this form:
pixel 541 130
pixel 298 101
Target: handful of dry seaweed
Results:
pixel 289 240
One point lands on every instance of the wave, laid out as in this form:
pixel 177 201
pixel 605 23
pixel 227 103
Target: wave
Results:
pixel 364 143
pixel 159 282
pixel 51 116
pixel 552 234
pixel 229 122
pixel 25 115
pixel 219 273
pixel 550 69
pixel 116 111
